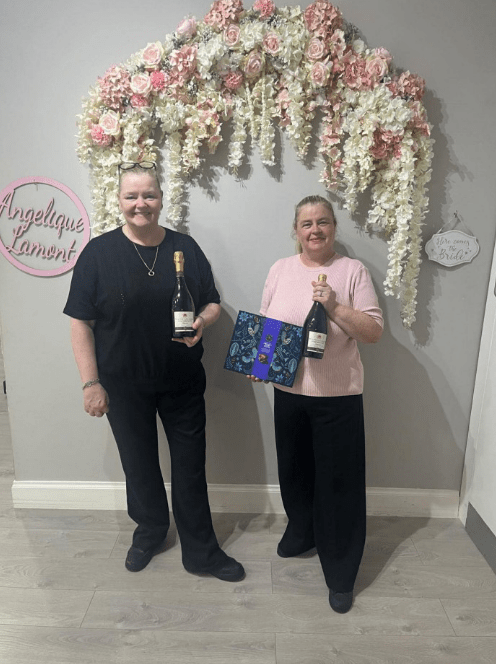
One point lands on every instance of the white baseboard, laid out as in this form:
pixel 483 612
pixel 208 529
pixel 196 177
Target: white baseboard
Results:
pixel 438 503
pixel 247 498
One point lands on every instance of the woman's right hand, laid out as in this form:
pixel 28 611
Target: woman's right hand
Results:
pixel 96 401
pixel 254 379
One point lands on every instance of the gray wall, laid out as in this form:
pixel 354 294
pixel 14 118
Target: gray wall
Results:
pixel 418 384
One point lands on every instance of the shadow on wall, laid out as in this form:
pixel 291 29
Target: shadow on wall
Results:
pixel 401 405
pixel 405 421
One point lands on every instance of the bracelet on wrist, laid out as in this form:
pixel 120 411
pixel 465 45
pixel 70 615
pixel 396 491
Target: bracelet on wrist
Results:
pixel 89 383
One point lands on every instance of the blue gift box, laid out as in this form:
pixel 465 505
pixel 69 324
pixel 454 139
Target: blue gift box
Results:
pixel 265 347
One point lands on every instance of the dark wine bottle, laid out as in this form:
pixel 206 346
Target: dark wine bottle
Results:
pixel 183 308
pixel 315 329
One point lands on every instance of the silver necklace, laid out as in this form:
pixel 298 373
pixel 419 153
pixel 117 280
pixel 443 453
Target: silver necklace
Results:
pixel 151 273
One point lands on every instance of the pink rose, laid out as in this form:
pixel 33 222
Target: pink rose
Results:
pixel 138 101
pixel 231 35
pixel 316 49
pixel 141 84
pixel 152 55
pixel 110 124
pixel 376 68
pixel 384 54
pixel 187 28
pixel 319 74
pixel 254 63
pixel 265 7
pixel 233 80
pixel 99 137
pixel 157 80
pixel 271 43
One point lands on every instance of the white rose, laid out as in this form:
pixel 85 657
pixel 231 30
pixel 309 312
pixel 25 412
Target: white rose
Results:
pixel 316 49
pixel 152 55
pixel 187 28
pixel 110 123
pixel 319 74
pixel 141 84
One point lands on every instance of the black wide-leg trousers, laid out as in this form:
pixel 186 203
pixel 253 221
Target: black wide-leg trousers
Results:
pixel 132 416
pixel 321 461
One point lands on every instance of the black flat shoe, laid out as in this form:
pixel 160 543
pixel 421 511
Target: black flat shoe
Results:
pixel 136 559
pixel 340 602
pixel 283 553
pixel 228 570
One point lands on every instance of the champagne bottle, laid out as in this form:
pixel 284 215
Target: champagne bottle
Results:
pixel 183 308
pixel 315 329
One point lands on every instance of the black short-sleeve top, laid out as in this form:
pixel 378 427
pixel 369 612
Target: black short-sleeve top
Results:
pixel 132 310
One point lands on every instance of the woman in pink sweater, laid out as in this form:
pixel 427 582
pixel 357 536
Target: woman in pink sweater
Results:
pixel 319 420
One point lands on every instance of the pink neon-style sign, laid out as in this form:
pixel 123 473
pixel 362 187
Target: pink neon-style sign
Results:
pixel 48 218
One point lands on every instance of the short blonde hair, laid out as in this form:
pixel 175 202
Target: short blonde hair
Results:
pixel 314 199
pixel 152 172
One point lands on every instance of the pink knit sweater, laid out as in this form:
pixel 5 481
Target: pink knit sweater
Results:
pixel 287 296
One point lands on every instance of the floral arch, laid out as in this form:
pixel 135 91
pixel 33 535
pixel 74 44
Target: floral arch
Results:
pixel 253 67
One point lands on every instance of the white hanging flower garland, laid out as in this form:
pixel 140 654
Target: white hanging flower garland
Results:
pixel 255 66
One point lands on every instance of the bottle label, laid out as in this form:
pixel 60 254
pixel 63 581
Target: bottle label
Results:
pixel 183 321
pixel 316 342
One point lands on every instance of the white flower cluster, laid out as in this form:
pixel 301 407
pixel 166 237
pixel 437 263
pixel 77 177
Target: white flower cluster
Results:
pixel 254 68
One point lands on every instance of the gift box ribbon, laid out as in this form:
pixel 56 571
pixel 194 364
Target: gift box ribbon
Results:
pixel 266 348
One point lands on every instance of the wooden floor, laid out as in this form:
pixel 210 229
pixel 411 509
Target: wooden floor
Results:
pixel 424 594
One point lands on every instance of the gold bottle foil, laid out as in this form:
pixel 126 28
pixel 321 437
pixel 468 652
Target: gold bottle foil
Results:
pixel 179 261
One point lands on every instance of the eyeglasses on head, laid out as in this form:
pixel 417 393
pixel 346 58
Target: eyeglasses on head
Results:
pixel 129 165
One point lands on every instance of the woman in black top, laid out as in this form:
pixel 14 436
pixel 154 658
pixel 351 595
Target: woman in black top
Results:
pixel 132 369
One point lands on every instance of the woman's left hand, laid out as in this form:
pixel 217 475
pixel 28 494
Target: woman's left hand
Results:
pixel 198 327
pixel 324 294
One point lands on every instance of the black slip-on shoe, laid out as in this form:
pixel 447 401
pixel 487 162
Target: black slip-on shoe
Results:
pixel 340 602
pixel 288 553
pixel 228 570
pixel 136 559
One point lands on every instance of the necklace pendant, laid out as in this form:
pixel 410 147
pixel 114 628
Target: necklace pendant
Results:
pixel 151 273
